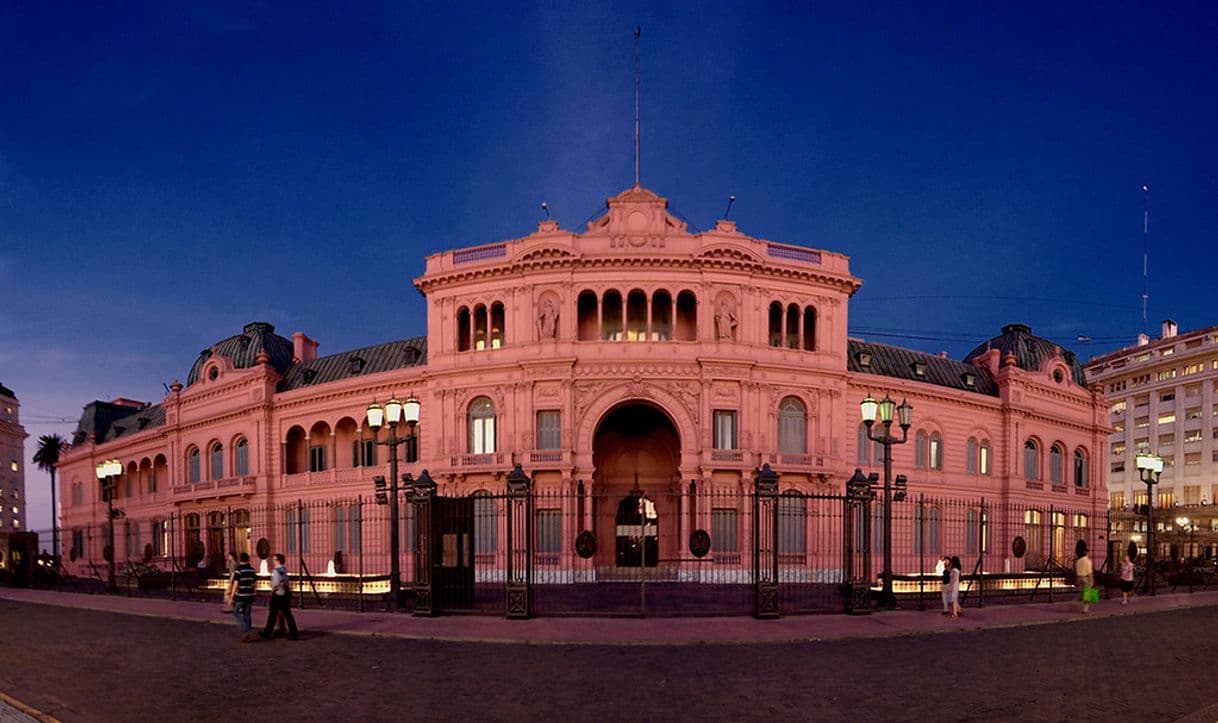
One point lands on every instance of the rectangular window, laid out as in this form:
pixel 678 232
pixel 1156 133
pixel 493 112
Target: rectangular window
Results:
pixel 1193 369
pixel 355 529
pixel 482 435
pixel 1167 419
pixel 549 531
pixel 1118 449
pixel 1117 500
pixel 152 479
pixel 1118 427
pixel 1193 436
pixel 317 458
pixel 1167 440
pixel 971 457
pixel 289 529
pixel 723 530
pixel 549 429
pixel 1117 408
pixel 1167 397
pixel 1194 413
pixel 1192 494
pixel 193 470
pixel 158 538
pixel 725 429
pixel 1168 352
pixel 1141 422
pixel 936 452
pixel 1118 466
pixel 1167 374
pixel 367 455
pixel 1167 498
pixel 1192 459
pixel 985 459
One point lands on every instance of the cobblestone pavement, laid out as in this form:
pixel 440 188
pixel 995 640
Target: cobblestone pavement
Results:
pixel 78 664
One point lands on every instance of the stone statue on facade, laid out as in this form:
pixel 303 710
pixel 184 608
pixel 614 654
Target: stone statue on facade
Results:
pixel 725 322
pixel 547 320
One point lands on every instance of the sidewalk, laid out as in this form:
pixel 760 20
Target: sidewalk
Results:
pixel 632 631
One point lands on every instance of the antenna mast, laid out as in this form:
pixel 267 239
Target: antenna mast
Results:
pixel 1145 254
pixel 637 29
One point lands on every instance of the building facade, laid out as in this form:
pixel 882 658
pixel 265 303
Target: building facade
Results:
pixel 1163 396
pixel 631 359
pixel 12 473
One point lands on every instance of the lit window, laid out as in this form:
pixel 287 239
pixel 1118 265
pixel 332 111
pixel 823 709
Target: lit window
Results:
pixel 1167 419
pixel 13 465
pixel 936 451
pixel 984 459
pixel 725 429
pixel 481 426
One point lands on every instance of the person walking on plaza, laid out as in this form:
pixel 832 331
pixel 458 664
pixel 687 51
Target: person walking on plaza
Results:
pixel 231 564
pixel 1085 574
pixel 954 586
pixel 945 586
pixel 281 600
pixel 241 592
pixel 1126 575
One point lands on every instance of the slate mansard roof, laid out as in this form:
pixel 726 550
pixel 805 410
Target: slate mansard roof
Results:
pixel 108 421
pixel 893 361
pixel 243 350
pixel 368 360
pixel 1030 351
pixel 6 392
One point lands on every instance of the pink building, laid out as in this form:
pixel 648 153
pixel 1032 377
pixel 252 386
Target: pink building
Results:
pixel 631 360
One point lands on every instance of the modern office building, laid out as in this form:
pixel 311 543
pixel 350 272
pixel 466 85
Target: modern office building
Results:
pixel 1162 394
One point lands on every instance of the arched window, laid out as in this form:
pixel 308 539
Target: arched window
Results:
pixel 1055 464
pixel 661 316
pixel 792 426
pixel 809 328
pixel 463 329
pixel 971 454
pixel 481 426
pixel 864 453
pixel 586 311
pixel 687 317
pixel 792 327
pixel 983 458
pixel 1031 461
pixel 241 458
pixel 936 451
pixel 497 322
pixel 636 316
pixel 920 450
pixel 775 327
pixel 480 327
pixel 791 530
pixel 611 316
pixel 1080 468
pixel 192 466
pixel 216 462
pixel 486 523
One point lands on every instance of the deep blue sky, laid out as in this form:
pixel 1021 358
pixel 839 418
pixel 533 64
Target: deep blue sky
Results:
pixel 171 171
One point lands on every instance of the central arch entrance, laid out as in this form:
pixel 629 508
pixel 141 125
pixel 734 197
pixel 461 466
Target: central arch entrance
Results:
pixel 636 451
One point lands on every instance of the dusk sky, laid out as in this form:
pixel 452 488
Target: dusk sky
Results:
pixel 172 171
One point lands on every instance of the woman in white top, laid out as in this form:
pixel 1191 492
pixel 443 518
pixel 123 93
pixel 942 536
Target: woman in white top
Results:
pixel 1126 575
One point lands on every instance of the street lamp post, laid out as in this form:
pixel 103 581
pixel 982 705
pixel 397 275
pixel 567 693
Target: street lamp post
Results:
pixel 107 472
pixel 1150 466
pixel 393 414
pixel 884 436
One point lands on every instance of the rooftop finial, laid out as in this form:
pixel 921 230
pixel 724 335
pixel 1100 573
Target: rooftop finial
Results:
pixel 637 30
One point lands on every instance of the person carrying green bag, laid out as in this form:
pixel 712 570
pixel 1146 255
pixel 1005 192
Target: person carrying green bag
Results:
pixel 1085 576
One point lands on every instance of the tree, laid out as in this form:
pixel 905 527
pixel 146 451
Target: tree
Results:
pixel 50 446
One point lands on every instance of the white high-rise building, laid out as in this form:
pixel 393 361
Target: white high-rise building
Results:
pixel 1163 393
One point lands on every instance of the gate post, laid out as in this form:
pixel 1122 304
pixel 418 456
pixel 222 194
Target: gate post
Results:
pixel 519 545
pixel 421 495
pixel 856 598
pixel 765 543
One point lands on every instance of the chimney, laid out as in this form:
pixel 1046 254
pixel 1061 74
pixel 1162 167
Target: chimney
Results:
pixel 1143 340
pixel 1169 328
pixel 942 355
pixel 303 348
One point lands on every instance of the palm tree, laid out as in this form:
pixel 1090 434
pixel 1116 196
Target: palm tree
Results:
pixel 50 446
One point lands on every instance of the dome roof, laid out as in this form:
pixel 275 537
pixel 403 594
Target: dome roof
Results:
pixel 1030 351
pixel 243 350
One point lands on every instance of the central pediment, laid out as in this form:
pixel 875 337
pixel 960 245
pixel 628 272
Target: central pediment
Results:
pixel 637 217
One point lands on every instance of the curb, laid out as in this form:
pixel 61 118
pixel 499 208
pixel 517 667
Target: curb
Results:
pixel 28 710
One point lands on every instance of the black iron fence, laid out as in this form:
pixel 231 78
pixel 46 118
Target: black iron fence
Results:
pixel 522 551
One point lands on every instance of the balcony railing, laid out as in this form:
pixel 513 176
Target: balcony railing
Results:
pixel 727 455
pixel 543 456
pixel 478 460
pixel 215 487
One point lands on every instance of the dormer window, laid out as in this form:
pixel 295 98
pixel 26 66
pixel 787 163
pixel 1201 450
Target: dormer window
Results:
pixel 412 355
pixel 355 365
pixel 970 379
pixel 919 370
pixel 865 359
pixel 309 375
pixel 213 373
pixel 1059 376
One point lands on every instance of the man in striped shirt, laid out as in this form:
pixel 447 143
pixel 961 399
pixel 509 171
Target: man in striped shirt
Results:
pixel 241 590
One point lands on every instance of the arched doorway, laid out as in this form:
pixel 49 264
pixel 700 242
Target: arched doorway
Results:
pixel 636 451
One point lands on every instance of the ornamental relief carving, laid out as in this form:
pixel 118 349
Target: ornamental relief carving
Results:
pixel 649 371
pixel 547 391
pixel 586 393
pixel 726 392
